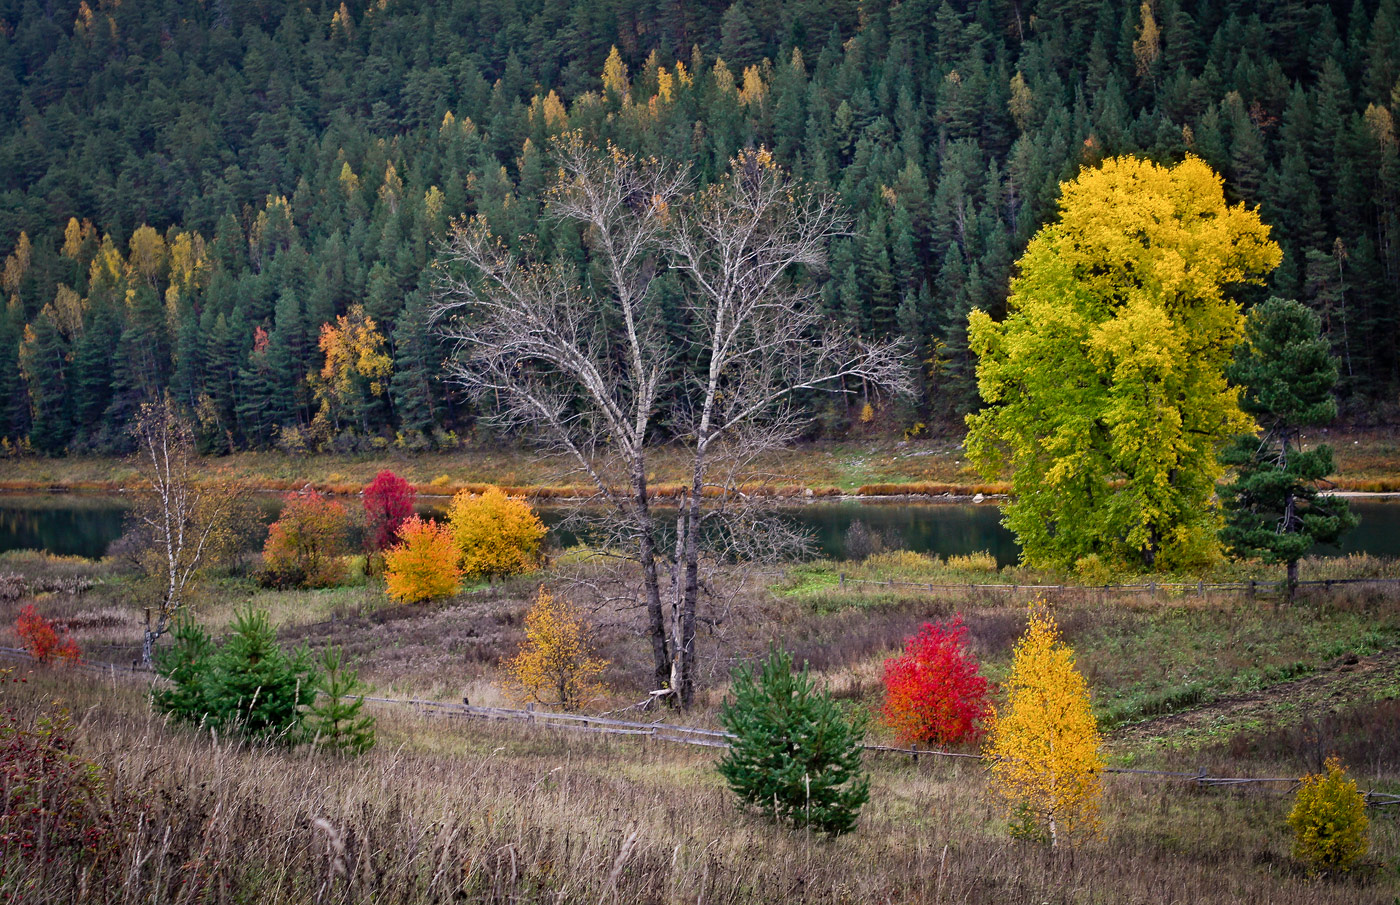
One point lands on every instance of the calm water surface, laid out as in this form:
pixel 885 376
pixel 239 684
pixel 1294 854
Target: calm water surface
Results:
pixel 86 525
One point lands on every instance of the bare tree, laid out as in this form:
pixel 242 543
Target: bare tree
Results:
pixel 184 525
pixel 590 365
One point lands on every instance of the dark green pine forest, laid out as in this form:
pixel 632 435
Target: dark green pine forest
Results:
pixel 191 190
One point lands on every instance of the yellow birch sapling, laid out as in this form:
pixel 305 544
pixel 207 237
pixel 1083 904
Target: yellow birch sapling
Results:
pixel 1045 744
pixel 556 663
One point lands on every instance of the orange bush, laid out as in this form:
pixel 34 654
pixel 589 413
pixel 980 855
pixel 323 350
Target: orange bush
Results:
pixel 424 564
pixel 44 640
pixel 305 545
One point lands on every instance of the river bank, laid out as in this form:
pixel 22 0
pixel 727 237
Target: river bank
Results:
pixel 1368 462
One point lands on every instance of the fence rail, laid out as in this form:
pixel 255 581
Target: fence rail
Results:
pixel 1199 587
pixel 695 736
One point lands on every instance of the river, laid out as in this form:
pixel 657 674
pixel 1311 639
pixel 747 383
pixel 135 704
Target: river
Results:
pixel 87 524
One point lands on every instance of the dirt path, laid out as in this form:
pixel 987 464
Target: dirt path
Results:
pixel 1341 682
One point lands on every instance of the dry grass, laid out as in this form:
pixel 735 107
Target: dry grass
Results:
pixel 492 813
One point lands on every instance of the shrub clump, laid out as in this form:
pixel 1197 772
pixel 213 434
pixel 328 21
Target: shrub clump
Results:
pixel 388 503
pixel 424 565
pixel 306 545
pixel 794 754
pixel 1330 826
pixel 247 685
pixel 934 691
pixel 498 535
pixel 45 641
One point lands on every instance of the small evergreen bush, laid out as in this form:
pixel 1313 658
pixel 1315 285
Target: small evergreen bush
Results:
pixel 248 685
pixel 794 754
pixel 1330 827
pixel 335 722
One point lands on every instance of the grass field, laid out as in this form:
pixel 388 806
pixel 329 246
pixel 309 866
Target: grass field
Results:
pixel 446 810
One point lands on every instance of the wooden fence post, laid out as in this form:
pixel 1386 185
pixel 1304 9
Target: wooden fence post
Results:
pixel 843 579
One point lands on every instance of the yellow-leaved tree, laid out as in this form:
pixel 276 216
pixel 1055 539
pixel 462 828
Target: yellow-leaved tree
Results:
pixel 424 564
pixel 1044 745
pixel 1105 384
pixel 1329 820
pixel 356 374
pixel 498 535
pixel 556 664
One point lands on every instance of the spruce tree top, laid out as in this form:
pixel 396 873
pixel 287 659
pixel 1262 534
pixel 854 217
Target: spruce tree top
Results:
pixel 1285 366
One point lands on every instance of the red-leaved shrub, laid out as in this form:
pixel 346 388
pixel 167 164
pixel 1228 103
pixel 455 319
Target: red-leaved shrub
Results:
pixel 45 641
pixel 934 692
pixel 388 502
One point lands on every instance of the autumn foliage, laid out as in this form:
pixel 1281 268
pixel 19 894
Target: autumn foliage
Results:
pixel 1329 820
pixel 556 664
pixel 498 535
pixel 423 565
pixel 388 501
pixel 45 641
pixel 934 692
pixel 305 545
pixel 1045 744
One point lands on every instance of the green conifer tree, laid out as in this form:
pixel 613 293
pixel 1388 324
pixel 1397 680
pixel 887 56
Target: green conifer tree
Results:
pixel 794 754
pixel 1272 508
pixel 335 722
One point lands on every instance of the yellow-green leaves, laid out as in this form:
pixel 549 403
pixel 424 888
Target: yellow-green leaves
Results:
pixel 1105 384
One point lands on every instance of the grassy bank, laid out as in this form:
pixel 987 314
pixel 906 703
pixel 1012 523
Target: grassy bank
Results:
pixel 1366 461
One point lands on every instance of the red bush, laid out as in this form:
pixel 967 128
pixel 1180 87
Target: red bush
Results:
pixel 45 641
pixel 388 502
pixel 934 692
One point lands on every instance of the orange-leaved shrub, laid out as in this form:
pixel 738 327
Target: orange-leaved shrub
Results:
pixel 556 664
pixel 1330 826
pixel 498 535
pixel 1045 745
pixel 306 545
pixel 45 641
pixel 934 691
pixel 424 564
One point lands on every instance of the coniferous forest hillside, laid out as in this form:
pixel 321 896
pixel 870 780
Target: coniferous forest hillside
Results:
pixel 240 201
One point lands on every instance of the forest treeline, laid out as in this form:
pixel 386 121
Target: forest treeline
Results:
pixel 239 201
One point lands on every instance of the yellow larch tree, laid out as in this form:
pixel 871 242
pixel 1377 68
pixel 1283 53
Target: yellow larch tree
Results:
pixel 556 664
pixel 498 535
pixel 1045 743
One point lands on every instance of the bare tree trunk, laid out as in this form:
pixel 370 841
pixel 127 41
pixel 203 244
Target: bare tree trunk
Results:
pixel 651 583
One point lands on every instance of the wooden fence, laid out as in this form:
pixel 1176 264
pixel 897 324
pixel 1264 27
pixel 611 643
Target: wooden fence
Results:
pixel 1200 588
pixel 708 738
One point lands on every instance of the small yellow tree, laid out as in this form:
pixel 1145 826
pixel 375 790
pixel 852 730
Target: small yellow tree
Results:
pixel 1046 764
pixel 498 535
pixel 556 663
pixel 1329 820
pixel 424 564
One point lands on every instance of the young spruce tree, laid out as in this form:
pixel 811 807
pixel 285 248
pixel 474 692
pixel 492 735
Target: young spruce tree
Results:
pixel 1272 509
pixel 335 720
pixel 793 753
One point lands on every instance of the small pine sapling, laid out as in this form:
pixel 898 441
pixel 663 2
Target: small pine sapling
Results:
pixel 253 687
pixel 1045 746
pixel 335 721
pixel 45 641
pixel 498 535
pixel 185 665
pixel 794 754
pixel 555 664
pixel 1330 826
pixel 934 692
pixel 424 564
